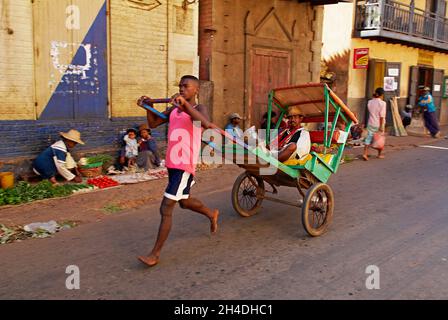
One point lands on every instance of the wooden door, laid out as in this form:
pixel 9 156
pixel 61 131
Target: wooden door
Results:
pixel 413 86
pixel 269 69
pixel 375 79
pixel 71 59
pixel 393 69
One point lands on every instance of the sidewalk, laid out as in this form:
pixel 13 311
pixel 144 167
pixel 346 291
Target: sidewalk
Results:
pixel 394 143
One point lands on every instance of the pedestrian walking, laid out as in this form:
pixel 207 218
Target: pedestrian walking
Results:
pixel 426 102
pixel 376 123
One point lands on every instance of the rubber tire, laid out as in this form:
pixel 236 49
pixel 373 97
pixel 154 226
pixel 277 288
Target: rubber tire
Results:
pixel 305 209
pixel 236 187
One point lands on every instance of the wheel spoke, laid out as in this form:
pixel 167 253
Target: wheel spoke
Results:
pixel 247 195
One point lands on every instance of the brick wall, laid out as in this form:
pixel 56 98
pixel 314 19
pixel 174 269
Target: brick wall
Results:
pixel 23 140
pixel 148 45
pixel 16 60
pixel 138 54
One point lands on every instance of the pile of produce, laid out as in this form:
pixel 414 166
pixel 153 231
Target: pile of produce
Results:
pixel 25 192
pixel 96 161
pixel 103 182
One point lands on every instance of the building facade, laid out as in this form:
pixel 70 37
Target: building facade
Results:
pixel 83 64
pixel 249 47
pixel 390 44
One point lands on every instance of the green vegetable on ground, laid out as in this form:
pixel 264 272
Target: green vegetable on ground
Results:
pixel 103 158
pixel 24 192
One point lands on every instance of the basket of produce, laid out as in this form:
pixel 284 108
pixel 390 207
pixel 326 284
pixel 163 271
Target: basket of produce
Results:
pixel 91 172
pixel 93 166
pixel 90 169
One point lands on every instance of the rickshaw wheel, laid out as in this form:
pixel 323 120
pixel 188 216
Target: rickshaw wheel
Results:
pixel 317 209
pixel 245 195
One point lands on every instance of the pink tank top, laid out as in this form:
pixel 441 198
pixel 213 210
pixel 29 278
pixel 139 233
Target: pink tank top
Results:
pixel 184 143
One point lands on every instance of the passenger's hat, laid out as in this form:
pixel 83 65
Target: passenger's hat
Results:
pixel 235 116
pixel 294 111
pixel 72 135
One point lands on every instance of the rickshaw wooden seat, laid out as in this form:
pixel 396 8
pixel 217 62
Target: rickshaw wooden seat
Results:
pixel 318 136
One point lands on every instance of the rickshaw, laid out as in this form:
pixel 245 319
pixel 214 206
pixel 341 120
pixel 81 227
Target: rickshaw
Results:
pixel 310 175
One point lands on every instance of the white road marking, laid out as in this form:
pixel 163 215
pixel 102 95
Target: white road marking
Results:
pixel 434 147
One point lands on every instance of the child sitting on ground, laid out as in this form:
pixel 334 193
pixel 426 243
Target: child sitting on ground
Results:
pixel 406 115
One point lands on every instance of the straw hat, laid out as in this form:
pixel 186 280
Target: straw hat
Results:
pixel 144 127
pixel 72 135
pixel 294 111
pixel 235 116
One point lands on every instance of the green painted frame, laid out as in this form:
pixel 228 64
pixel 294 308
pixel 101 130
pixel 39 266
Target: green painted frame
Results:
pixel 316 165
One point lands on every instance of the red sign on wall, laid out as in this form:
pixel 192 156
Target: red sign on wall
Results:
pixel 360 58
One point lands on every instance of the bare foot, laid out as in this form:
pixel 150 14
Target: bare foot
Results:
pixel 381 157
pixel 366 158
pixel 150 261
pixel 214 222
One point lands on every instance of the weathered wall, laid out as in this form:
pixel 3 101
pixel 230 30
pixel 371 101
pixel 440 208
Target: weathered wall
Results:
pixel 151 46
pixel 282 25
pixel 16 60
pixel 151 43
pixel 99 136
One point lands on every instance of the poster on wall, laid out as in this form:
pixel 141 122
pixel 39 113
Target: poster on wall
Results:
pixel 360 58
pixel 389 84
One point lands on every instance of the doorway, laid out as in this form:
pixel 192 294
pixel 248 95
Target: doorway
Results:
pixel 428 77
pixel 269 69
pixel 378 71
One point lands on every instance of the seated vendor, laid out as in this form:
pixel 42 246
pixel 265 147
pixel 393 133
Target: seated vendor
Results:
pixel 148 154
pixel 294 141
pixel 56 159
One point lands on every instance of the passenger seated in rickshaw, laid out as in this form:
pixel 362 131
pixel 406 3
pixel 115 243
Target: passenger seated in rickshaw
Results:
pixel 294 143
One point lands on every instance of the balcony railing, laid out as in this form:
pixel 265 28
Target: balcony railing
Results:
pixel 416 25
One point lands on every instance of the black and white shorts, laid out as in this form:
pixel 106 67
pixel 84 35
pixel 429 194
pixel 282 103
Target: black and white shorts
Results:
pixel 179 184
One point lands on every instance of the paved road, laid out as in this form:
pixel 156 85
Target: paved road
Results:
pixel 390 213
